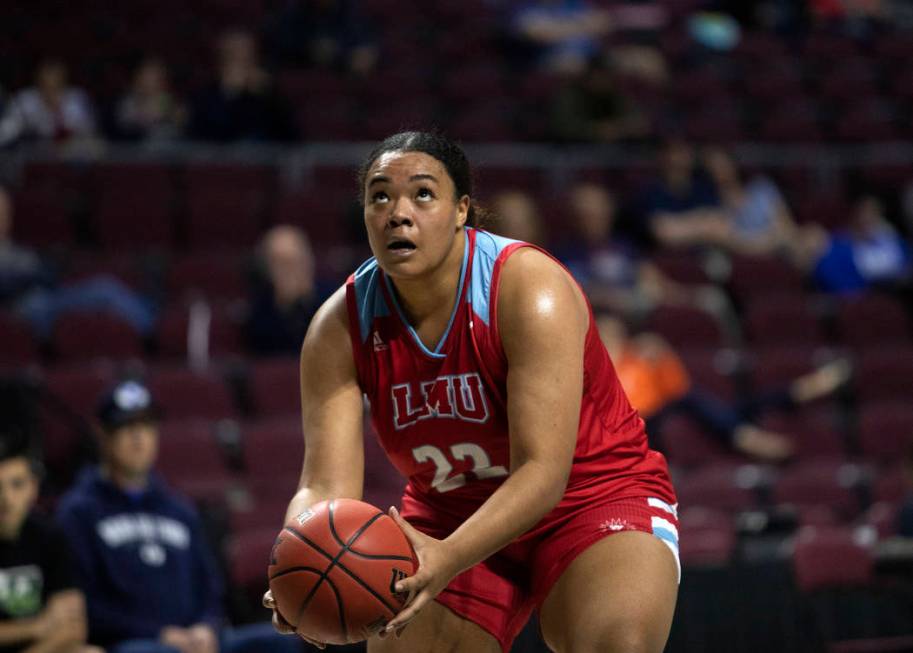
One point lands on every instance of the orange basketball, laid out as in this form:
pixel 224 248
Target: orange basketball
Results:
pixel 333 569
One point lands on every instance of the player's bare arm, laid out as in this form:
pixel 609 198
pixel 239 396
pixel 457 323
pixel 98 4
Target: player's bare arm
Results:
pixel 331 411
pixel 542 318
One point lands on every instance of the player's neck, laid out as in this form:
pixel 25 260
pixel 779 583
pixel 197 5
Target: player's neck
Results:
pixel 434 294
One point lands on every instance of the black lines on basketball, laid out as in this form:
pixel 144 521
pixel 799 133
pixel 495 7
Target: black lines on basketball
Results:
pixel 292 570
pixel 341 610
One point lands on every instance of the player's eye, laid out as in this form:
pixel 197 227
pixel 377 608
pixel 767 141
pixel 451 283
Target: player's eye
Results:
pixel 424 194
pixel 379 196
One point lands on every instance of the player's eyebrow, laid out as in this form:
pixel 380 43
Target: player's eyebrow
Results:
pixel 380 179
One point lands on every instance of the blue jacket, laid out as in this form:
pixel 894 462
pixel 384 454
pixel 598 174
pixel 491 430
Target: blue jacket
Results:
pixel 141 559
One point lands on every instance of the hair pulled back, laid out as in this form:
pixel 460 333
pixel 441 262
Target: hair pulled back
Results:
pixel 437 146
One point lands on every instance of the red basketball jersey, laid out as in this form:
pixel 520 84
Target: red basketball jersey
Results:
pixel 441 415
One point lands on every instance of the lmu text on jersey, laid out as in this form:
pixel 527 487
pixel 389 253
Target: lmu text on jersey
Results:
pixel 455 396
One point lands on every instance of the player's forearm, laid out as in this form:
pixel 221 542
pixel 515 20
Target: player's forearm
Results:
pixel 531 491
pixel 307 496
pixel 18 630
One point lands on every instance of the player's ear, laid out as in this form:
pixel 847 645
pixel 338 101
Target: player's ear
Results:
pixel 464 207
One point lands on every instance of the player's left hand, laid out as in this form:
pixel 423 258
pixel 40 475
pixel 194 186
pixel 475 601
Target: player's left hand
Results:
pixel 436 568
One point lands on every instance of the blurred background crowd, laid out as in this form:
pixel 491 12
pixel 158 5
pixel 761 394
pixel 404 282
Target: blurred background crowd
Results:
pixel 731 182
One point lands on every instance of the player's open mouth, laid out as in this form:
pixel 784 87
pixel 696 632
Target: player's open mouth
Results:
pixel 401 246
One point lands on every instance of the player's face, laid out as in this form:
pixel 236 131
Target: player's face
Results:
pixel 132 449
pixel 18 492
pixel 411 213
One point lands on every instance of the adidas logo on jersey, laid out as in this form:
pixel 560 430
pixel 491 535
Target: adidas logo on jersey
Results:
pixel 379 344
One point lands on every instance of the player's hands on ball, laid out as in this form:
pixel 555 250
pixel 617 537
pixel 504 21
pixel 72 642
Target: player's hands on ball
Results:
pixel 281 625
pixel 436 569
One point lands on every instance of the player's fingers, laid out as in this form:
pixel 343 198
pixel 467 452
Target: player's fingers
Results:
pixel 415 537
pixel 312 642
pixel 281 625
pixel 268 601
pixel 409 613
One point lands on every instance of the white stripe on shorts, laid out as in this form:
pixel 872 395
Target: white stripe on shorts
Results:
pixel 653 502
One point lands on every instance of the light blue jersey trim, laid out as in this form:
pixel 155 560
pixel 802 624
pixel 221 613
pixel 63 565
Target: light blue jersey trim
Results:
pixel 488 248
pixel 456 306
pixel 368 297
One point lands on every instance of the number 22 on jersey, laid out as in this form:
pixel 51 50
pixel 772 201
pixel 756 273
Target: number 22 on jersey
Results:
pixel 443 481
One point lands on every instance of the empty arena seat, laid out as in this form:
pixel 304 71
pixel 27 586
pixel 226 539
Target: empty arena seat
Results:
pixel 685 326
pixel 214 275
pixel 42 217
pixel 707 537
pixel 830 557
pixel 728 487
pixel 884 373
pixel 273 447
pixel 821 482
pixel 220 328
pixel 134 206
pixel 886 429
pixel 782 319
pixel 185 394
pixel 872 320
pixel 275 387
pixel 709 368
pixel 226 204
pixel 325 219
pixel 19 346
pixel 248 554
pixel 753 277
pixel 191 459
pixel 85 336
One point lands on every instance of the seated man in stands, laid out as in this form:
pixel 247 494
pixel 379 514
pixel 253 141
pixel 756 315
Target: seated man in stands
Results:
pixel 150 579
pixel 41 611
pixel 286 299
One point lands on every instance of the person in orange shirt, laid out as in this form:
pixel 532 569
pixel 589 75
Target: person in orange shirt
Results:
pixel 658 385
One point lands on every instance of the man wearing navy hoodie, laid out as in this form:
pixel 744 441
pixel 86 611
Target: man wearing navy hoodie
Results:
pixel 150 580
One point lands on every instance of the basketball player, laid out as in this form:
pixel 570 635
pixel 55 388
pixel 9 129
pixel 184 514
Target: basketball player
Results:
pixel 530 482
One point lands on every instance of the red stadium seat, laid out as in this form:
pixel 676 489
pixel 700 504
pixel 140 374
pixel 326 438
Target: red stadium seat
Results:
pixel 324 219
pixel 220 330
pixel 184 394
pixel 883 517
pixel 814 432
pixel 830 557
pixel 720 487
pixel 134 206
pixel 757 276
pixel 822 482
pixel 884 373
pixel 826 208
pixel 681 267
pixel 273 447
pixel 685 326
pixel 42 217
pixel 248 556
pixel 707 537
pixel 886 429
pixel 784 319
pixel 86 336
pixel 226 204
pixel 890 484
pixel 191 459
pixel 19 347
pixel 706 365
pixel 871 321
pixel 216 276
pixel 275 387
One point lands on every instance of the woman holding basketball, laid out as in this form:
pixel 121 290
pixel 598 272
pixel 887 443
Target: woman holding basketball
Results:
pixel 531 486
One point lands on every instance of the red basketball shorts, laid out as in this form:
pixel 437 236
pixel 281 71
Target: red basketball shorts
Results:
pixel 500 593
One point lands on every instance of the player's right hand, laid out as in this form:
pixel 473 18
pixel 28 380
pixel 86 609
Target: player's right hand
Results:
pixel 281 625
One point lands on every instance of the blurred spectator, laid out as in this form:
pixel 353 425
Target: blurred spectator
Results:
pixel 591 108
pixel 609 265
pixel 51 110
pixel 150 580
pixel 243 104
pixel 870 253
pixel 905 516
pixel 286 297
pixel 517 216
pixel 29 287
pixel 563 34
pixel 150 111
pixel 41 610
pixel 755 219
pixel 325 34
pixel 682 204
pixel 658 385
